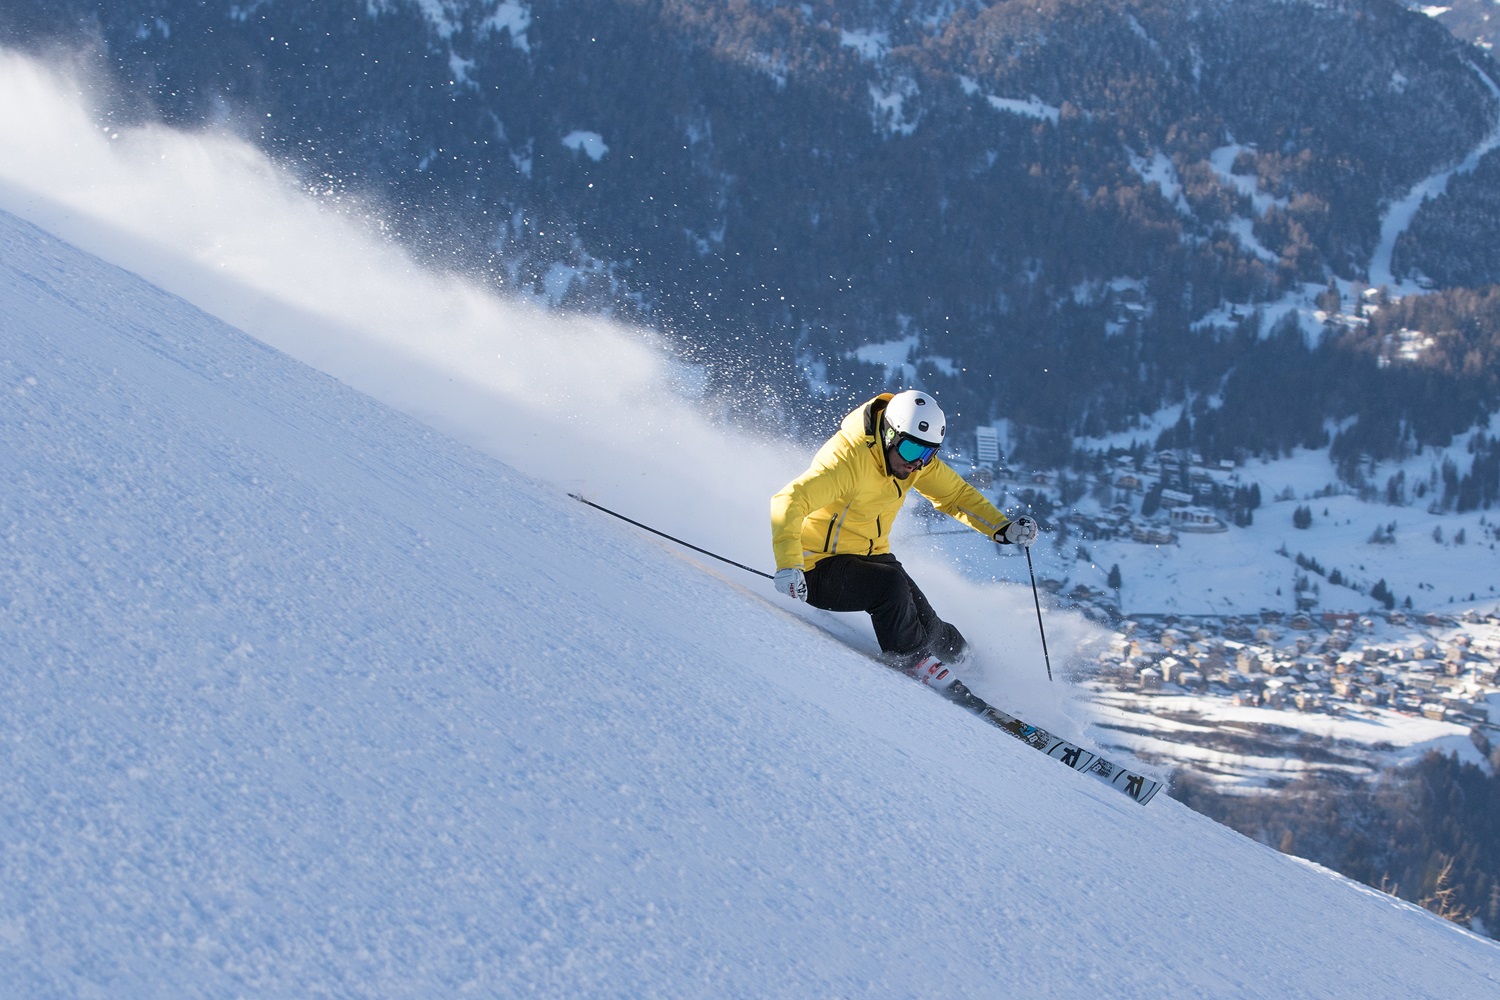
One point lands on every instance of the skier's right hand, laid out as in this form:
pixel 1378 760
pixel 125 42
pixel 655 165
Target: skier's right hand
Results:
pixel 1021 531
pixel 791 583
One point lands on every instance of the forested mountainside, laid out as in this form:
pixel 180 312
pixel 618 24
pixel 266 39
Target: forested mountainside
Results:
pixel 1068 213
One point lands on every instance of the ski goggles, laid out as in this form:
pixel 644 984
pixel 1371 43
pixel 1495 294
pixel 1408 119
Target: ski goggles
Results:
pixel 915 452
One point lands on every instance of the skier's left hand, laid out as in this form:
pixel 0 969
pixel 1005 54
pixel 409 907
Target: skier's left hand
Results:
pixel 1021 531
pixel 791 583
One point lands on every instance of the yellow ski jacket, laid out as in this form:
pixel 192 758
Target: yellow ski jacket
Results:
pixel 847 499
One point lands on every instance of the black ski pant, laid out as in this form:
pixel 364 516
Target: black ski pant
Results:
pixel 905 624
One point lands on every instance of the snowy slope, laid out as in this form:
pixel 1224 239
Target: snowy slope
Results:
pixel 301 698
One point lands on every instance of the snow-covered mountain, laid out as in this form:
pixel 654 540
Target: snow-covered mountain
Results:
pixel 1108 195
pixel 305 695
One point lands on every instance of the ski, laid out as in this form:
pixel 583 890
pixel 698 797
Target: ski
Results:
pixel 936 675
pixel 1137 786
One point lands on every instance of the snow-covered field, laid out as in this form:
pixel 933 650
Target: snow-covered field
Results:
pixel 304 695
pixel 1247 749
pixel 1242 570
pixel 1442 561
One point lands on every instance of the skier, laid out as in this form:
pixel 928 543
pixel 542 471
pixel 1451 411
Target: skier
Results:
pixel 830 529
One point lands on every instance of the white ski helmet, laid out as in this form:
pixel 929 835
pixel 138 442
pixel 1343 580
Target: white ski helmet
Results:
pixel 915 415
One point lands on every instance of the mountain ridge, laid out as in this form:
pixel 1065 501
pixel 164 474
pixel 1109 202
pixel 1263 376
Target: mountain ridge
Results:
pixel 810 179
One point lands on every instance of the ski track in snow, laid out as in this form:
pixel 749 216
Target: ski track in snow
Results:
pixel 302 698
pixel 1399 216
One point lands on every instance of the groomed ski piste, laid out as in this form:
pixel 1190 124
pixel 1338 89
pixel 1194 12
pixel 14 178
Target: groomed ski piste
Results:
pixel 316 683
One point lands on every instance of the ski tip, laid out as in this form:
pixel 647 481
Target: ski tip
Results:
pixel 1137 786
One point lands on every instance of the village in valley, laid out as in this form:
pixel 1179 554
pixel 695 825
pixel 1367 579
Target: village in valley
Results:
pixel 1441 668
pixel 1255 702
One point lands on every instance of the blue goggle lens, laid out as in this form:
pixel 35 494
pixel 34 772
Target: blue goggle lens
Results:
pixel 915 451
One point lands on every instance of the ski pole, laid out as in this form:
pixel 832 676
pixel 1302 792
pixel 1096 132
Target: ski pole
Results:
pixel 672 538
pixel 1038 601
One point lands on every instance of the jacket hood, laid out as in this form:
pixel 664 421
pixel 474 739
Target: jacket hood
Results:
pixel 864 422
pixel 862 427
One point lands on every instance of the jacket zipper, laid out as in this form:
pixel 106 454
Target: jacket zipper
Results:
pixel 830 540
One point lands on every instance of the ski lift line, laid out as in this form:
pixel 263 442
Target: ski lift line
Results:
pixel 671 538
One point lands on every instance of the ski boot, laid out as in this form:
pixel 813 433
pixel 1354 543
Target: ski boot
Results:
pixel 934 673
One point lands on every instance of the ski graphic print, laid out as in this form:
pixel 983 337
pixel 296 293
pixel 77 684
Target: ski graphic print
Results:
pixel 1137 786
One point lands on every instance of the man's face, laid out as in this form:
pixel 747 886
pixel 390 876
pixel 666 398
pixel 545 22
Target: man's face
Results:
pixel 898 466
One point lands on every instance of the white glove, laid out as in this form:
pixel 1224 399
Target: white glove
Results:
pixel 1021 531
pixel 791 583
